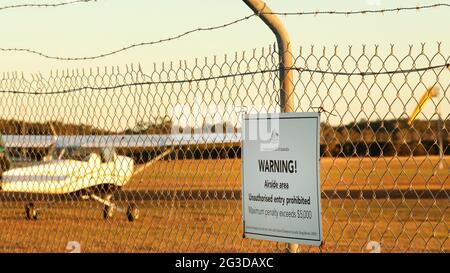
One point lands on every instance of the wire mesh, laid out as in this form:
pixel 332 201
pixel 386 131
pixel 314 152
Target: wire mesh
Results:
pixel 134 160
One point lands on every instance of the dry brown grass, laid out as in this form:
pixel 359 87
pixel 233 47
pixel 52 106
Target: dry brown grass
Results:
pixel 336 173
pixel 215 226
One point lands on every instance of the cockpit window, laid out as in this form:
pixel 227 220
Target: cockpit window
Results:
pixel 83 154
pixel 78 154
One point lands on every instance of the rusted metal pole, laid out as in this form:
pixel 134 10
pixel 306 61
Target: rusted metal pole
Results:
pixel 286 62
pixel 284 51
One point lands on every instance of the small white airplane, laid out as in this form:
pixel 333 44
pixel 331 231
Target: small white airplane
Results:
pixel 89 166
pixel 90 173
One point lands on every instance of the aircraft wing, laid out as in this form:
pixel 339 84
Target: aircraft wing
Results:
pixel 120 141
pixel 27 141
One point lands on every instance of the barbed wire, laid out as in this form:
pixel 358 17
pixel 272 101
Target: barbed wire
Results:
pixel 130 46
pixel 45 5
pixel 217 27
pixel 241 74
pixel 317 12
pixel 367 11
pixel 371 73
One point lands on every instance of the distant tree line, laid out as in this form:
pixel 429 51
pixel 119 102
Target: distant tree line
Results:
pixel 385 138
pixel 363 138
pixel 16 127
pixel 164 125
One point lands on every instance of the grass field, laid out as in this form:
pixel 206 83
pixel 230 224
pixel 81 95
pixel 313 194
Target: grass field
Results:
pixel 400 225
pixel 336 173
pixel 211 226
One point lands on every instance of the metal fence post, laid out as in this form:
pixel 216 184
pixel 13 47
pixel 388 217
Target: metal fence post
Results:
pixel 284 50
pixel 286 61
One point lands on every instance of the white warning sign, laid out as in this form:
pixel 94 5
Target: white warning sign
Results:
pixel 280 177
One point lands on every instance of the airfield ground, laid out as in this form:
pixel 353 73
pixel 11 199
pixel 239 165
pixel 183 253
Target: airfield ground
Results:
pixel 215 225
pixel 335 173
pixel 210 226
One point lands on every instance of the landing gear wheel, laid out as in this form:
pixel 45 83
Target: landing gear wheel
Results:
pixel 31 212
pixel 132 212
pixel 108 212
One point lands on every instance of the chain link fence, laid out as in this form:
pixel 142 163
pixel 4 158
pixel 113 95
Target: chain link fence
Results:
pixel 148 160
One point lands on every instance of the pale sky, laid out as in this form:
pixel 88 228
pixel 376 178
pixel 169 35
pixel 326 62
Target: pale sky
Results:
pixel 98 27
pixel 92 28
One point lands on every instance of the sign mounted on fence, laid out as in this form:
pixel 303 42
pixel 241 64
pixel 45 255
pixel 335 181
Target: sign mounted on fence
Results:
pixel 280 178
